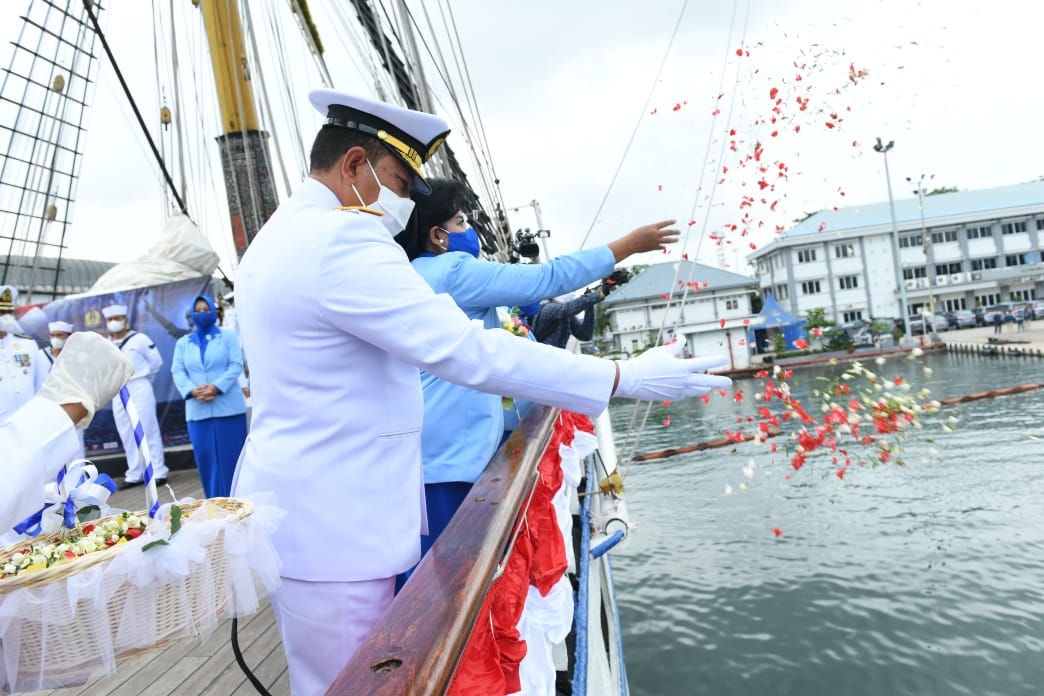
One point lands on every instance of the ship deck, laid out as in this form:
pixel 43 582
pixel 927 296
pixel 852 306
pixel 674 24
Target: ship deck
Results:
pixel 190 667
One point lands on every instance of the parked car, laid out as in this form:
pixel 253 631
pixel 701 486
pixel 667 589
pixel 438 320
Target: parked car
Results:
pixel 961 319
pixel 1003 308
pixel 935 324
pixel 1029 310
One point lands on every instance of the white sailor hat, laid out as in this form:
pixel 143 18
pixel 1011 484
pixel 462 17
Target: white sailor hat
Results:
pixel 8 295
pixel 114 310
pixel 413 136
pixel 60 326
pixel 230 296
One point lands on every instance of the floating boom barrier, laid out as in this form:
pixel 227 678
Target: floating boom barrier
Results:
pixel 725 441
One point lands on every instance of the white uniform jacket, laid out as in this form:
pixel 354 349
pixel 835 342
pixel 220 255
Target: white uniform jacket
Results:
pixel 23 369
pixel 35 442
pixel 143 354
pixel 336 323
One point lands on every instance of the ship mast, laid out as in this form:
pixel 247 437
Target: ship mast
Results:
pixel 245 160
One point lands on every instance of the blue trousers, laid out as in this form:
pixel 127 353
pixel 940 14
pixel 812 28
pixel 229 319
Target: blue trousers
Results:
pixel 442 501
pixel 216 443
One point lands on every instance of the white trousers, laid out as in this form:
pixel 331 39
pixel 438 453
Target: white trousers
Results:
pixel 323 623
pixel 145 402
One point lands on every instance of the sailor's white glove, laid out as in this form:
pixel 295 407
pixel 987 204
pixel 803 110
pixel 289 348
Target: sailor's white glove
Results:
pixel 659 374
pixel 90 371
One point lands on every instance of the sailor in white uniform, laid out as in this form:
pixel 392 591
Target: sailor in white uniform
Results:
pixel 336 323
pixel 38 439
pixel 147 361
pixel 60 332
pixel 23 366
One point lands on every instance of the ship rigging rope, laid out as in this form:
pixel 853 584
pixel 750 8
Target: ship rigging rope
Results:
pixel 133 104
pixel 638 123
pixel 288 112
pixel 630 446
pixel 480 153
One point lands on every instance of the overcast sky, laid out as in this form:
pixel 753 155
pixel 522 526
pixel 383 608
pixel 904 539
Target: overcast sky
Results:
pixel 561 88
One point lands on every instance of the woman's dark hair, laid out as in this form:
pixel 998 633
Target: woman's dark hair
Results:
pixel 446 198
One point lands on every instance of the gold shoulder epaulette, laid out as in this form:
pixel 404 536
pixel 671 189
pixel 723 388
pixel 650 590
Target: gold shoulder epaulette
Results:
pixel 361 209
pixel 25 336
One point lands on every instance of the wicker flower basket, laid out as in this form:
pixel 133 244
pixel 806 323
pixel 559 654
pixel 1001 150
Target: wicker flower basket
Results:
pixel 76 619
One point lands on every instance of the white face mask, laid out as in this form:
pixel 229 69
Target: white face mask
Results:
pixel 57 343
pixel 8 324
pixel 396 209
pixel 115 326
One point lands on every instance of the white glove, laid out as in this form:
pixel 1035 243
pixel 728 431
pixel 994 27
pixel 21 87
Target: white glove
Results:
pixel 90 371
pixel 659 374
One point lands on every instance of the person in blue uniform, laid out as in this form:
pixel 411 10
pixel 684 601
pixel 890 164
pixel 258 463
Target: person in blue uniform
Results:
pixel 206 368
pixel 444 249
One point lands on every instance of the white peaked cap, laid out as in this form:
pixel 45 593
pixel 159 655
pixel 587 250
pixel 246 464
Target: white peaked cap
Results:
pixel 413 136
pixel 62 326
pixel 115 310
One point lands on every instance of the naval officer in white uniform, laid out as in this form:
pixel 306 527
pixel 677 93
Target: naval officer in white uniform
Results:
pixel 147 361
pixel 38 439
pixel 23 365
pixel 336 323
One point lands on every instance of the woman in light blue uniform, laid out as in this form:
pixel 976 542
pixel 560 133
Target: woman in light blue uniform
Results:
pixel 206 368
pixel 463 427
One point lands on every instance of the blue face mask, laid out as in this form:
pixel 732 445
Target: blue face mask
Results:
pixel 204 320
pixel 466 241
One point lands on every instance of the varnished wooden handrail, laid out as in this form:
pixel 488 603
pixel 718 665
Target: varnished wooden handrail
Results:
pixel 416 646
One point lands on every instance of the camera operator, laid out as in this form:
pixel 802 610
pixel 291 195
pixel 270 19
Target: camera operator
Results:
pixel 557 319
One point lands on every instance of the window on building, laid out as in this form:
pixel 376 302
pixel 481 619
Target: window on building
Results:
pixel 777 261
pixel 1040 224
pixel 806 255
pixel 782 292
pixel 1013 227
pixel 987 300
pixel 810 287
pixel 848 282
pixel 983 264
pixel 915 272
pixel 946 268
pixel 844 251
pixel 1014 260
pixel 910 240
pixel 731 304
pixel 977 232
pixel 852 316
pixel 946 236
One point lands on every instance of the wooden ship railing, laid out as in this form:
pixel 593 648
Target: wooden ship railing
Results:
pixel 416 647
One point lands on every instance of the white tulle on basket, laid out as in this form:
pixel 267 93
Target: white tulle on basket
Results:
pixel 75 620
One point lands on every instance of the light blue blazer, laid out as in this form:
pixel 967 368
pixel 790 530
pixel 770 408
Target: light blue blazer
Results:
pixel 221 367
pixel 463 427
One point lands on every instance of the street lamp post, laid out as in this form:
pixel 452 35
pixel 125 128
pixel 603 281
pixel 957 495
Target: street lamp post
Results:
pixel 928 261
pixel 883 149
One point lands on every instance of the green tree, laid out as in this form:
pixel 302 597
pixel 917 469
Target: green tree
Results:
pixel 942 189
pixel 816 319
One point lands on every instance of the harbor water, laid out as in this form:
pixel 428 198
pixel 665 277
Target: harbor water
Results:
pixel 923 579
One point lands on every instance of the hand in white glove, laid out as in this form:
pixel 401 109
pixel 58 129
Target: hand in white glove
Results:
pixel 90 371
pixel 659 374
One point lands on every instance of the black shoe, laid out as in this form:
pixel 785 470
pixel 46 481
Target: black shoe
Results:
pixel 129 484
pixel 161 482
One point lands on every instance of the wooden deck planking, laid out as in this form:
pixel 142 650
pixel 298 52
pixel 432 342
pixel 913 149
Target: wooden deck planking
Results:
pixel 190 666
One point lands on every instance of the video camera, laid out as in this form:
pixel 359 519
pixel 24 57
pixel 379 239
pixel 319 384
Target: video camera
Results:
pixel 525 242
pixel 615 280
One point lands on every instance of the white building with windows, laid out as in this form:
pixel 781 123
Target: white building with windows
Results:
pixel 965 249
pixel 714 318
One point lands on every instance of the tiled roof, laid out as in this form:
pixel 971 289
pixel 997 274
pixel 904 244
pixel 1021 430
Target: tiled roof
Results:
pixel 980 204
pixel 659 278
